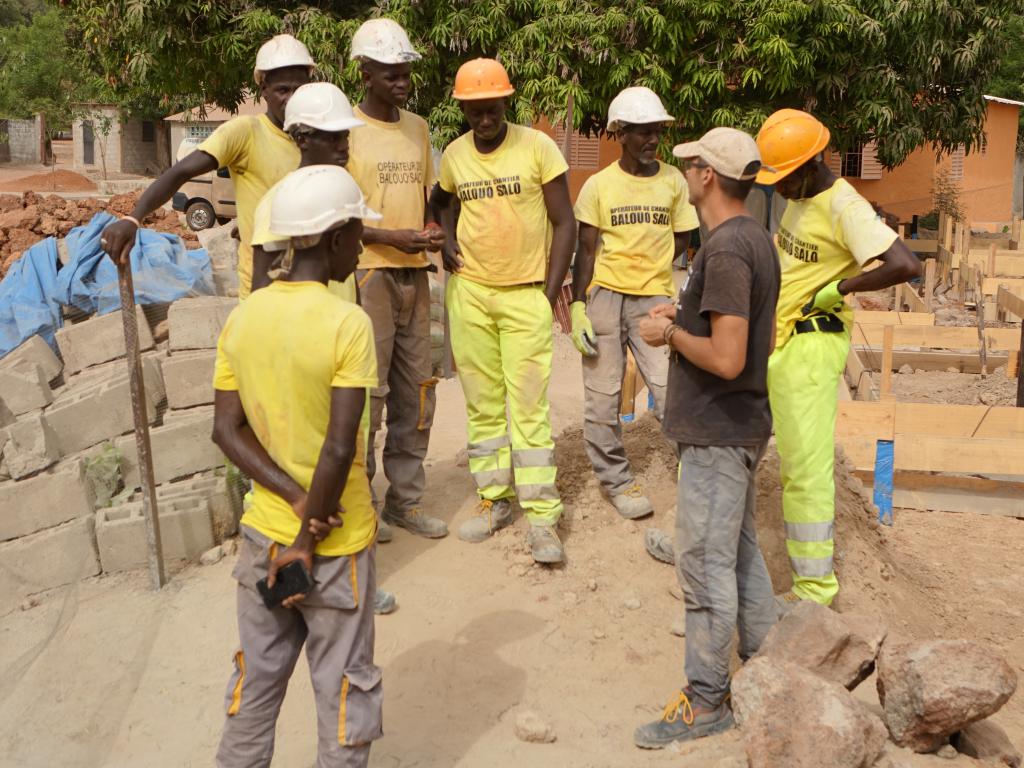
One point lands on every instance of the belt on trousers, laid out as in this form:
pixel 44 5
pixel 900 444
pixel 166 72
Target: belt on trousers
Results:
pixel 823 323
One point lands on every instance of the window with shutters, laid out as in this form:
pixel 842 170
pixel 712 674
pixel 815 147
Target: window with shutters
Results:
pixel 584 151
pixel 199 131
pixel 956 163
pixel 858 162
pixel 851 161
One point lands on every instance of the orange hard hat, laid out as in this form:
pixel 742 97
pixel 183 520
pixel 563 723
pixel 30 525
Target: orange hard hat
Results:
pixel 787 140
pixel 482 79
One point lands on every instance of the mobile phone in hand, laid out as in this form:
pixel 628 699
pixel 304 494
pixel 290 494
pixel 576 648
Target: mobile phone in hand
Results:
pixel 293 579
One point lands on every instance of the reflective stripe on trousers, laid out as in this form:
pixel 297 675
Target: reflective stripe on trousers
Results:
pixel 501 341
pixel 803 377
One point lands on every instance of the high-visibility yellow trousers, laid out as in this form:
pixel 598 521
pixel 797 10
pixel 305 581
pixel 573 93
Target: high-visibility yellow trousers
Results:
pixel 501 342
pixel 803 377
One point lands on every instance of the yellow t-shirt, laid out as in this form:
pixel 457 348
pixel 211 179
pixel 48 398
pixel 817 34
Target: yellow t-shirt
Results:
pixel 261 235
pixel 637 217
pixel 504 231
pixel 309 342
pixel 830 236
pixel 258 154
pixel 393 166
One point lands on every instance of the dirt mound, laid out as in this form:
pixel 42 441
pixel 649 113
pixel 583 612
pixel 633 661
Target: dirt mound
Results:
pixel 871 577
pixel 56 181
pixel 29 218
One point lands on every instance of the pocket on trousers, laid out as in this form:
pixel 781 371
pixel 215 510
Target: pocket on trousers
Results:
pixel 254 558
pixel 337 583
pixel 360 714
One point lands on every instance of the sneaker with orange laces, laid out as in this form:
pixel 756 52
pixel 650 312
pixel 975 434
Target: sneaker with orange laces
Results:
pixel 683 721
pixel 489 517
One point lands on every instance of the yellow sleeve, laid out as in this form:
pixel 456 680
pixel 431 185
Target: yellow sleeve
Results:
pixel 684 215
pixel 445 177
pixel 550 162
pixel 588 204
pixel 859 228
pixel 223 376
pixel 356 360
pixel 229 144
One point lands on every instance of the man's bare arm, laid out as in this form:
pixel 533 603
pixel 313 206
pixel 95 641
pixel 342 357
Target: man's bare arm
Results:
pixel 556 200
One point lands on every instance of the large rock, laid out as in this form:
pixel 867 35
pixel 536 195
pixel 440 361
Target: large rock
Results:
pixel 791 717
pixel 838 647
pixel 930 690
pixel 986 741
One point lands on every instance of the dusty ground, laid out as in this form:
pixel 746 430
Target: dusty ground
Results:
pixel 107 673
pixel 955 388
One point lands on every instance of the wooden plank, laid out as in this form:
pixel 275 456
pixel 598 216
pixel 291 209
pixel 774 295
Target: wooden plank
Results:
pixel 907 297
pixel 933 360
pixel 929 285
pixel 953 493
pixel 880 421
pixel 1013 365
pixel 1009 301
pixel 928 453
pixel 1015 284
pixel 921 246
pixel 872 317
pixel 885 388
pixel 936 337
pixel 1006 263
pixel 859 376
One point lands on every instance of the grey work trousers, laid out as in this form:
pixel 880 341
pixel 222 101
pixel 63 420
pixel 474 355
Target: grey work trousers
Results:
pixel 398 303
pixel 719 564
pixel 335 623
pixel 616 320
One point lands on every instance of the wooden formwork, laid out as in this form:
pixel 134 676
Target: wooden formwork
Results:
pixel 960 442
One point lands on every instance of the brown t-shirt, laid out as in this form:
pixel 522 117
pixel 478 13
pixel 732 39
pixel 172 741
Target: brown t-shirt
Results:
pixel 736 272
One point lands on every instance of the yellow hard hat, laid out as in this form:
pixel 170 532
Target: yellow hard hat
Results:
pixel 787 140
pixel 481 79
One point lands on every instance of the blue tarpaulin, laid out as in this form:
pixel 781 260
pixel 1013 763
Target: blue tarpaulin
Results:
pixel 33 290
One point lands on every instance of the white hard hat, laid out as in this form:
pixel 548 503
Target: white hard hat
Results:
pixel 636 106
pixel 322 106
pixel 383 40
pixel 281 51
pixel 311 200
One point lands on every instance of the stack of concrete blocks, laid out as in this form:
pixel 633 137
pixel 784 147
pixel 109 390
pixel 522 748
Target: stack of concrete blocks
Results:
pixel 57 418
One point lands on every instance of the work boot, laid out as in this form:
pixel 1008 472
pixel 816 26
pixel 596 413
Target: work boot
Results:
pixel 384 602
pixel 414 521
pixel 786 602
pixel 544 544
pixel 659 546
pixel 683 721
pixel 489 517
pixel 384 532
pixel 632 504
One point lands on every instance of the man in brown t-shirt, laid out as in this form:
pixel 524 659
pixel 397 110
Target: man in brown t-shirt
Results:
pixel 720 336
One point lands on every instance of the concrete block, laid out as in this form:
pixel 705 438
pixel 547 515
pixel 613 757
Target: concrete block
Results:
pixel 113 369
pixel 33 351
pixel 48 559
pixel 98 340
pixel 188 378
pixel 48 499
pixel 31 445
pixel 85 415
pixel 25 388
pixel 223 497
pixel 181 447
pixel 185 532
pixel 196 323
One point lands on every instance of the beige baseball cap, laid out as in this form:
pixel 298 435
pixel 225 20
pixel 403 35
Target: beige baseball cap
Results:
pixel 730 151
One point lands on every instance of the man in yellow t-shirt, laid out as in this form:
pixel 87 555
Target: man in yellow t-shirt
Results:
pixel 299 433
pixel 392 162
pixel 508 261
pixel 634 221
pixel 254 149
pixel 318 118
pixel 827 234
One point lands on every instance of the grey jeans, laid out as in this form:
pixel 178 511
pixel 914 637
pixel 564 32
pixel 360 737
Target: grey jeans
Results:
pixel 335 624
pixel 719 564
pixel 616 319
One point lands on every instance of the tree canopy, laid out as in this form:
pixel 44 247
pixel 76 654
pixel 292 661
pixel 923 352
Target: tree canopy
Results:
pixel 904 73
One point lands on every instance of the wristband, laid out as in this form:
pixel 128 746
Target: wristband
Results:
pixel 133 220
pixel 668 333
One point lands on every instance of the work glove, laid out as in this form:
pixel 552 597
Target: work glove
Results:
pixel 582 330
pixel 827 299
